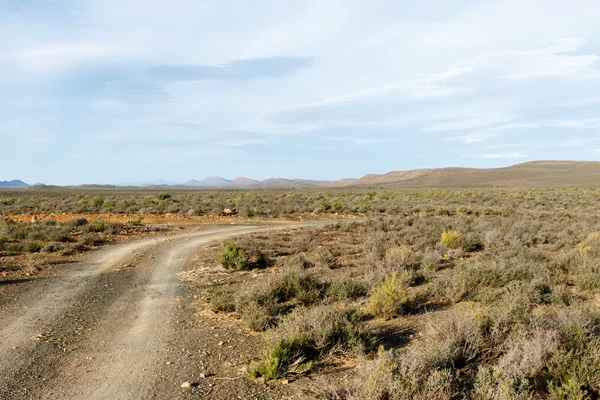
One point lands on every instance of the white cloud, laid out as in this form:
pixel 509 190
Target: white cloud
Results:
pixel 475 138
pixel 56 55
pixel 504 155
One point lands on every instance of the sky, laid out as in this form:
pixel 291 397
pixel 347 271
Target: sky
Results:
pixel 134 91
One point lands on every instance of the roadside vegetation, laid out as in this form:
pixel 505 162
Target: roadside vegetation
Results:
pixel 488 300
pixel 25 245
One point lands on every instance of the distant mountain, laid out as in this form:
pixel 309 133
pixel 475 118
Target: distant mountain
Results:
pixel 162 182
pixel 241 182
pixel 211 181
pixel 13 184
pixel 289 183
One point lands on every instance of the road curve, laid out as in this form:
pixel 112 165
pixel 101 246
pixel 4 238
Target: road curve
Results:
pixel 101 329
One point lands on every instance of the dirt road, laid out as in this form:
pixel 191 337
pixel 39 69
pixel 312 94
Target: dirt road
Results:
pixel 113 326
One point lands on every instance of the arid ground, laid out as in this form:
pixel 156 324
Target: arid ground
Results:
pixel 358 294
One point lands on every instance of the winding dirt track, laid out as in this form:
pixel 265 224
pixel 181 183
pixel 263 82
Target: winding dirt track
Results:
pixel 107 327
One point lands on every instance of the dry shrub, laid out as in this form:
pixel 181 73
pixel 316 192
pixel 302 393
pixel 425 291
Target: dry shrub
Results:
pixel 520 368
pixel 403 257
pixel 346 289
pixel 389 298
pixel 449 341
pixel 259 305
pixel 452 239
pixel 309 335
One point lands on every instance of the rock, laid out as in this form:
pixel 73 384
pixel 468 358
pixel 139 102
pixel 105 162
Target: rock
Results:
pixel 186 385
pixel 203 375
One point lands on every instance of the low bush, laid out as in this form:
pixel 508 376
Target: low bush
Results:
pixel 452 239
pixel 91 239
pixel 307 336
pixel 345 290
pixel 389 298
pixel 403 258
pixel 237 257
pixel 164 196
pixel 324 258
pixel 77 222
pixel 259 305
pixel 233 256
pixel 222 298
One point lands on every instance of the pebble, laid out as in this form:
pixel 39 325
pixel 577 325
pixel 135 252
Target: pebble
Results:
pixel 186 385
pixel 203 375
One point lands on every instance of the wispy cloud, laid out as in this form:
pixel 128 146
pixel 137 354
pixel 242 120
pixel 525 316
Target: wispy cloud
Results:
pixel 52 56
pixel 474 138
pixel 504 155
pixel 356 141
pixel 235 70
pixel 241 142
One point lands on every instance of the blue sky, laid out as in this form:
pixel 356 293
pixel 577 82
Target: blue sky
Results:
pixel 132 91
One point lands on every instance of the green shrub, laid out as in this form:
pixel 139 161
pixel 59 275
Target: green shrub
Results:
pixel 234 256
pixel 451 239
pixel 164 196
pixel 77 222
pixel 98 201
pixel 238 257
pixel 389 298
pixel 96 226
pixel 136 222
pixel 31 247
pixel 309 335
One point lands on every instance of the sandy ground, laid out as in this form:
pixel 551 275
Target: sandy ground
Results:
pixel 118 325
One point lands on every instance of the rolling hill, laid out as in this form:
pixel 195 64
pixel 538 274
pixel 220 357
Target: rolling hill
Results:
pixel 529 174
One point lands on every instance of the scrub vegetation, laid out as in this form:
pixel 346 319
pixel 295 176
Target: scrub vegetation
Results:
pixel 494 299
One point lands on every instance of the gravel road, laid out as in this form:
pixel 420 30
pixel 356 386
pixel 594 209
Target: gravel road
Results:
pixel 109 327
